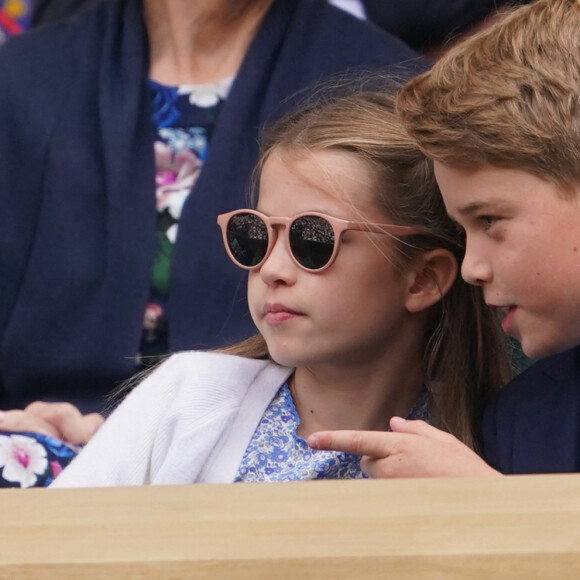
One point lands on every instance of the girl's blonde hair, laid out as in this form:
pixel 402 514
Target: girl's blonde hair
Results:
pixel 465 356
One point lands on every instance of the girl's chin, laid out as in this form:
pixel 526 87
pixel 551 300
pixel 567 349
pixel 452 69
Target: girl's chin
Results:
pixel 285 360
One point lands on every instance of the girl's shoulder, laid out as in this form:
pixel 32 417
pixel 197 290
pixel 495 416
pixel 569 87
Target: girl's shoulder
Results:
pixel 218 374
pixel 215 362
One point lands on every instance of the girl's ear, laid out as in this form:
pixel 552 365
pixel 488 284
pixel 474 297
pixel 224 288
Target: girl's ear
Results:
pixel 430 277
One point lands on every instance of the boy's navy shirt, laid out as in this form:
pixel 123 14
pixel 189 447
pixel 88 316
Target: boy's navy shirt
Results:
pixel 533 424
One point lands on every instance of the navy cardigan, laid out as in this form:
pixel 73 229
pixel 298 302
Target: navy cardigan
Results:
pixel 77 199
pixel 533 424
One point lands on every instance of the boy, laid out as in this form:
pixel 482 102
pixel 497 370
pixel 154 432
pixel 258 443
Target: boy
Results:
pixel 499 115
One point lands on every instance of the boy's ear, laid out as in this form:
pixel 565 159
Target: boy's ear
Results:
pixel 430 278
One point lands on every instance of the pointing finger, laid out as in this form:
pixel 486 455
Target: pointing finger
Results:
pixel 376 444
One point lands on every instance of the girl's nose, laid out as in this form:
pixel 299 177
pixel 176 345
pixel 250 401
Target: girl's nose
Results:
pixel 279 266
pixel 475 268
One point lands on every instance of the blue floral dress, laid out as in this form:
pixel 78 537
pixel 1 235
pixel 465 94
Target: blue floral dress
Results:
pixel 276 453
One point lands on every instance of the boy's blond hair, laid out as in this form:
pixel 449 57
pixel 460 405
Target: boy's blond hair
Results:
pixel 507 97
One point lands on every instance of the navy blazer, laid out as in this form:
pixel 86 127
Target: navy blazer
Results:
pixel 533 424
pixel 424 23
pixel 45 11
pixel 77 189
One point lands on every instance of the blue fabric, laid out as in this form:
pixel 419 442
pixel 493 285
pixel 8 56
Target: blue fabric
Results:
pixel 77 179
pixel 533 424
pixel 46 11
pixel 277 453
pixel 184 131
pixel 31 459
pixel 422 23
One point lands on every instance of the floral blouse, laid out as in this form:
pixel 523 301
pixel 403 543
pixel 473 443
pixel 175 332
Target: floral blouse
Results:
pixel 32 459
pixel 276 453
pixel 185 118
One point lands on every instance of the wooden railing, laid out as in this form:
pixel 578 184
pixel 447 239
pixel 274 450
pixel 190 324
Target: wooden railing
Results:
pixel 515 527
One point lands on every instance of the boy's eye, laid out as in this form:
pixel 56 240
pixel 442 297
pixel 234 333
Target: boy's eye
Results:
pixel 487 221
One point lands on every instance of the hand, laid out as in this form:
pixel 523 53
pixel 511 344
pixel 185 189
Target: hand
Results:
pixel 59 420
pixel 412 449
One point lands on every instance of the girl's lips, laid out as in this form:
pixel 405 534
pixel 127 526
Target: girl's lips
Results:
pixel 275 318
pixel 277 314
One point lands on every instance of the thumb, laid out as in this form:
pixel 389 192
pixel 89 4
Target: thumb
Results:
pixel 400 425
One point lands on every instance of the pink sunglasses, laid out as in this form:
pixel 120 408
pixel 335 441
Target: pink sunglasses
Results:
pixel 313 239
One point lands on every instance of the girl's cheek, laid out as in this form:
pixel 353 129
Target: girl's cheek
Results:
pixel 253 292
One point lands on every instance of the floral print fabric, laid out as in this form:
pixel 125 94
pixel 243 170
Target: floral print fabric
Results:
pixel 276 453
pixel 185 117
pixel 31 459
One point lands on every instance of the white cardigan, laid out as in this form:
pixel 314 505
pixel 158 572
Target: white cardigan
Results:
pixel 190 421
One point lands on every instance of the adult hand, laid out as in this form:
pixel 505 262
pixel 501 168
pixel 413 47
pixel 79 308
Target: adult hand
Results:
pixel 59 420
pixel 411 449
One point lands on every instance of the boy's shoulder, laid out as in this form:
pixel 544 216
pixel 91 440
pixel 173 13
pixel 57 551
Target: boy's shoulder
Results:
pixel 547 373
pixel 532 424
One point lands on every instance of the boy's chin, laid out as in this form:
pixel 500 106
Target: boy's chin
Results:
pixel 535 350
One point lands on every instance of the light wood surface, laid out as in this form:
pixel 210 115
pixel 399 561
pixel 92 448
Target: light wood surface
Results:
pixel 515 527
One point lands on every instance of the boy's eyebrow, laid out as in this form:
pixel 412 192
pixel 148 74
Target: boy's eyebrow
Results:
pixel 470 208
pixel 477 206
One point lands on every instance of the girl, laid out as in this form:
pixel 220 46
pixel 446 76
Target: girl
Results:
pixel 353 286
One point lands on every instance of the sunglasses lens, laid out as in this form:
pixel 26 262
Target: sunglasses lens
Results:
pixel 311 241
pixel 247 237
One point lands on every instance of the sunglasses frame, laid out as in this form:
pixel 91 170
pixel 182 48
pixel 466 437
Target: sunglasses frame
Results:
pixel 339 226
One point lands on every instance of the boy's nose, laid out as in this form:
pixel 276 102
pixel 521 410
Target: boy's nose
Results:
pixel 474 268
